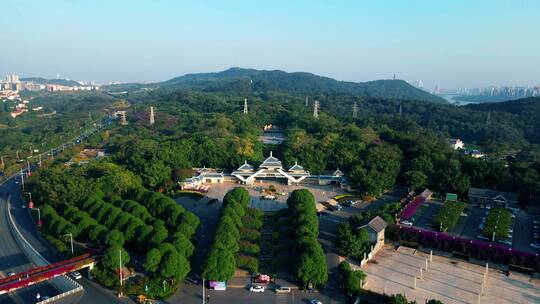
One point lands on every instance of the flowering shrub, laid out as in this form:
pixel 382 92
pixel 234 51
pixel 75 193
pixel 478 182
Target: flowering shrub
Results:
pixel 477 249
pixel 411 207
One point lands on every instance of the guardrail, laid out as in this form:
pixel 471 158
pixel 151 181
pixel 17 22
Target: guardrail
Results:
pixel 34 255
pixel 62 295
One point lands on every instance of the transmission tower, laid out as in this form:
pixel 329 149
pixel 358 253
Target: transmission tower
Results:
pixel 316 109
pixel 355 110
pixel 245 106
pixel 152 120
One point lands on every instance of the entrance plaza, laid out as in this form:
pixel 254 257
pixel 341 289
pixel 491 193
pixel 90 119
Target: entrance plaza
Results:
pixel 321 193
pixel 448 280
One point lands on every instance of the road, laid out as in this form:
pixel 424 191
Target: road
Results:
pixel 12 257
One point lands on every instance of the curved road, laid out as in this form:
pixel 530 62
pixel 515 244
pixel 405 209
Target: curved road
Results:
pixel 12 257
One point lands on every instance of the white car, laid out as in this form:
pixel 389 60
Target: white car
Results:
pixel 256 288
pixel 76 275
pixel 23 206
pixel 406 223
pixel 535 245
pixel 315 301
pixel 283 289
pixel 11 273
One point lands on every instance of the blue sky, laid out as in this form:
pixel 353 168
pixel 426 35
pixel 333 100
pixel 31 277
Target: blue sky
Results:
pixel 453 43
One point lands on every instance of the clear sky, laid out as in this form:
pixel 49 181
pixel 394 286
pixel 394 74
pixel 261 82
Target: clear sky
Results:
pixel 453 43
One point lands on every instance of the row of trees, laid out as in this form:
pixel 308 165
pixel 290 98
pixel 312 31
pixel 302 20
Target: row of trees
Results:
pixel 351 281
pixel 220 262
pixel 449 214
pixel 311 266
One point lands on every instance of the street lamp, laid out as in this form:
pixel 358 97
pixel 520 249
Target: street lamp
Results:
pixel 30 202
pixel 70 235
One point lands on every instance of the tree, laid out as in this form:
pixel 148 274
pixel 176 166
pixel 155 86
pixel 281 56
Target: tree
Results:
pixel 159 235
pixel 183 245
pixel 378 169
pixel 97 233
pixel 153 258
pixel 114 238
pixel 174 265
pixel 312 267
pixel 111 257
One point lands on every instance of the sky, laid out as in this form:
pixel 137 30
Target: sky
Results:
pixel 452 43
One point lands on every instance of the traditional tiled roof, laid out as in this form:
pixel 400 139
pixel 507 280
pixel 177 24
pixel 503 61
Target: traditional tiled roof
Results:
pixel 245 167
pixel 493 194
pixel 271 161
pixel 296 167
pixel 377 224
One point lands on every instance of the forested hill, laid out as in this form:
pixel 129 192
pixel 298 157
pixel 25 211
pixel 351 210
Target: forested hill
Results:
pixel 526 111
pixel 251 80
pixel 526 106
pixel 64 82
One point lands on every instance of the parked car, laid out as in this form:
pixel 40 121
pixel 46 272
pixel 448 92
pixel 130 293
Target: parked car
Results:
pixel 322 213
pixel 315 301
pixel 76 275
pixel 283 289
pixel 23 206
pixel 482 237
pixel 536 222
pixel 406 223
pixel 11 273
pixel 256 288
pixel 488 207
pixel 506 242
pixel 535 245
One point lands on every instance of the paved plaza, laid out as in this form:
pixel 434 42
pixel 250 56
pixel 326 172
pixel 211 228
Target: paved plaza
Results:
pixel 448 280
pixel 321 193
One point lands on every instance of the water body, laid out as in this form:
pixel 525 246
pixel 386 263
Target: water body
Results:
pixel 452 99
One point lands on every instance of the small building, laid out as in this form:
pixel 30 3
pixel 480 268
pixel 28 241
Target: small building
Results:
pixel 375 229
pixel 493 197
pixel 456 144
pixel 451 197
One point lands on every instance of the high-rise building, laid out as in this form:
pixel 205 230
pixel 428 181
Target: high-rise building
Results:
pixel 12 78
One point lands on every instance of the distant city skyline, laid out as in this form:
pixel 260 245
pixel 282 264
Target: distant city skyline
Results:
pixel 449 44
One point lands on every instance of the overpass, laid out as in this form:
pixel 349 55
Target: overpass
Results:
pixel 43 273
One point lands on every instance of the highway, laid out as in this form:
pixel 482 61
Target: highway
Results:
pixel 12 256
pixel 12 259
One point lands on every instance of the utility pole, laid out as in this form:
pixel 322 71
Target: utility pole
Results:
pixel 2 160
pixel 245 106
pixel 355 110
pixel 152 121
pixel 400 110
pixel 203 291
pixel 39 160
pixel 316 109
pixel 307 101
pixel 120 268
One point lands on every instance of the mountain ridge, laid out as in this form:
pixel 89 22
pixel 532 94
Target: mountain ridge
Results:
pixel 241 79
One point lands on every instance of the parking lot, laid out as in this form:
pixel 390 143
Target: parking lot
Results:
pixel 469 226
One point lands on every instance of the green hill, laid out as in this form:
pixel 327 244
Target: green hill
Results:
pixel 251 80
